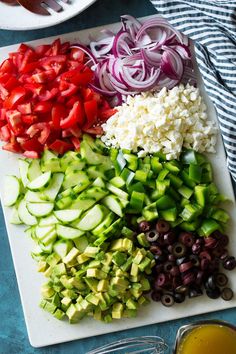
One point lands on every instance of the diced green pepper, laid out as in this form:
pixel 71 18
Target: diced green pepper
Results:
pixel 169 214
pixel 185 177
pixel 173 166
pixel 190 226
pixel 141 175
pixel 201 194
pixel 132 161
pixel 189 157
pixel 195 173
pixel 127 176
pixel 175 181
pixel 156 165
pixel 162 175
pixel 120 162
pixel 220 215
pixel 138 187
pixel 150 212
pixel 136 201
pixel 165 202
pixel 208 226
pixel 191 212
pixel 161 187
pixel 185 191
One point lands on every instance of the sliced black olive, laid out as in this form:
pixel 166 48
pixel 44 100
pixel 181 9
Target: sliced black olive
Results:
pixel 182 289
pixel 221 279
pixel 179 250
pixel 162 226
pixel 213 294
pixel 144 226
pixel 211 283
pixel 181 260
pixel 152 235
pixel 187 238
pixel 156 295
pixel 179 298
pixel 195 260
pixel 229 263
pixel 167 300
pixel 194 292
pixel 168 266
pixel 227 294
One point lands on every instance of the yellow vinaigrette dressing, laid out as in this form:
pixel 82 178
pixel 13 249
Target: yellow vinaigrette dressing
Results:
pixel 209 339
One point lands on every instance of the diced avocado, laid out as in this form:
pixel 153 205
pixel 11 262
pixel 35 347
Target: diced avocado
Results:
pixel 143 300
pixel 97 314
pixel 117 310
pixel 58 270
pixel 119 284
pixel 74 314
pixel 92 284
pixel 134 270
pixel 91 251
pixel 107 318
pixel 129 313
pixel 82 258
pixel 53 259
pixel 126 266
pixel 42 266
pixel 42 303
pixel 48 272
pixel 65 280
pixel 96 273
pixel 131 304
pixel 145 284
pixel 103 285
pixel 86 305
pixel 81 243
pixel 102 302
pixel 47 291
pixel 71 258
pixel 49 307
pixel 108 259
pixel 77 283
pixel 138 257
pixel 59 314
pixel 121 245
pixel 65 302
pixel 69 293
pixel 93 299
pixel 56 300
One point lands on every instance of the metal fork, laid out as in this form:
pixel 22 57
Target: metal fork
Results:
pixel 136 345
pixel 40 6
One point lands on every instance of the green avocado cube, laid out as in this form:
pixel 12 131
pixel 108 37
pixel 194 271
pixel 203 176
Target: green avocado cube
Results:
pixel 65 302
pixel 42 266
pixel 59 314
pixel 131 304
pixel 130 313
pixel 117 310
pixel 82 258
pixel 56 300
pixel 142 240
pixel 119 258
pixel 49 307
pixel 53 259
pixel 145 284
pixel 143 300
pixel 108 259
pixel 58 269
pixel 86 305
pixel 138 257
pixel 92 284
pixel 144 264
pixel 119 284
pixel 103 285
pixel 74 313
pixel 71 258
pixel 107 318
pixel 97 314
pixel 134 270
pixel 65 280
pixel 47 291
pixel 69 293
pixel 48 272
pixel 93 299
pixel 91 251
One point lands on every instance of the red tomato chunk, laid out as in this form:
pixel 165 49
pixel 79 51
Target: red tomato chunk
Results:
pixel 46 101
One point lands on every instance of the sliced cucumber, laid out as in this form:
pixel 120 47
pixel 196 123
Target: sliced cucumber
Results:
pixel 80 187
pixel 67 158
pixel 48 220
pixel 62 247
pixel 105 224
pixel 96 171
pixel 40 182
pixel 34 170
pixel 114 204
pixel 74 178
pixel 46 249
pixel 81 243
pixel 83 204
pixel 117 191
pixel 34 197
pixel 88 198
pixel 99 182
pixel 54 187
pixel 50 238
pixel 23 167
pixel 11 190
pixel 76 165
pixel 67 215
pixel 40 209
pixel 25 215
pixel 94 158
pixel 52 165
pixel 91 218
pixel 15 217
pixel 69 233
pixel 43 231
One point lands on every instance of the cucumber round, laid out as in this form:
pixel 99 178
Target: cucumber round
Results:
pixel 67 215
pixel 91 218
pixel 68 233
pixel 40 209
pixel 40 182
pixel 11 190
pixel 25 215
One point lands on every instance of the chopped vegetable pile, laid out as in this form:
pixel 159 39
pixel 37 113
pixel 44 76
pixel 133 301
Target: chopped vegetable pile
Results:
pixel 45 101
pixel 167 121
pixel 140 57
pixel 84 210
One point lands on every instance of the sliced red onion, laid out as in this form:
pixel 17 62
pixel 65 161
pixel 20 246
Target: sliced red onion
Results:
pixel 104 44
pixel 172 64
pixel 101 91
pixel 182 50
pixel 152 59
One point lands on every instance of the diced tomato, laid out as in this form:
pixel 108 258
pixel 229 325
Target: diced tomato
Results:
pixel 105 114
pixel 59 112
pixel 31 154
pixel 12 147
pixel 46 101
pixel 5 133
pixel 91 111
pixel 40 50
pixel 94 131
pixel 76 115
pixel 16 96
pixel 32 145
pixel 29 119
pixel 77 55
pixel 25 108
pixel 60 146
pixel 15 122
pixel 43 107
pixel 76 143
pixel 42 128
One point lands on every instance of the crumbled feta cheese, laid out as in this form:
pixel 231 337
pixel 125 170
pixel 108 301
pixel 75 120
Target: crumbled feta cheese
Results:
pixel 165 121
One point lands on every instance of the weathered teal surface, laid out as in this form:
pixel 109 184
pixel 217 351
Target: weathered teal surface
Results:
pixel 13 335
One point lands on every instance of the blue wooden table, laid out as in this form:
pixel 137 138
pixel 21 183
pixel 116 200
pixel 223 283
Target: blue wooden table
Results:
pixel 13 335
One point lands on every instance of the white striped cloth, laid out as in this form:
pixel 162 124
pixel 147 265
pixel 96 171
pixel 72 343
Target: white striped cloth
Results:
pixel 212 25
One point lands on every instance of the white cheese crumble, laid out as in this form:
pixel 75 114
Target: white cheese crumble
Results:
pixel 165 121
